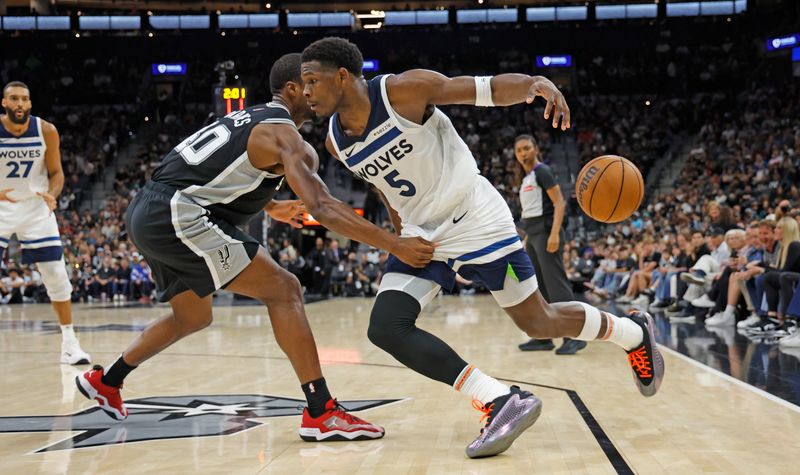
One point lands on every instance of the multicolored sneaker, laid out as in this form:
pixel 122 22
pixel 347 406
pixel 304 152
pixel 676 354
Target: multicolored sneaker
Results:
pixel 90 384
pixel 337 424
pixel 506 418
pixel 645 360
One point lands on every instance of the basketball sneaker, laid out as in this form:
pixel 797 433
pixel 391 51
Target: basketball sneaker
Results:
pixel 506 418
pixel 71 353
pixel 646 361
pixel 337 424
pixel 753 319
pixel 570 347
pixel 765 326
pixel 535 344
pixel 90 384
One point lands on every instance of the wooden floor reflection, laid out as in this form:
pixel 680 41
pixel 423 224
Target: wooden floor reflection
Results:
pixel 215 382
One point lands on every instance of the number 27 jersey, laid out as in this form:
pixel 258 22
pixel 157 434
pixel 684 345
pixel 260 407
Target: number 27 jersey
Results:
pixel 22 161
pixel 424 171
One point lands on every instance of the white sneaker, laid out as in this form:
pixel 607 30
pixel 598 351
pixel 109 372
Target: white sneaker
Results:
pixel 71 353
pixel 721 319
pixel 624 299
pixel 753 319
pixel 703 302
pixel 791 341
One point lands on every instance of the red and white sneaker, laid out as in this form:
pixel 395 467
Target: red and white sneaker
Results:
pixel 337 424
pixel 91 385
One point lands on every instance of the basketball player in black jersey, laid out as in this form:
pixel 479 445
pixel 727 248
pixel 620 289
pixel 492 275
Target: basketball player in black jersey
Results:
pixel 185 220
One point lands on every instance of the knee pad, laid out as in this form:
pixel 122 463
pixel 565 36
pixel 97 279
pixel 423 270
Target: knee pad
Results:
pixel 393 316
pixel 56 281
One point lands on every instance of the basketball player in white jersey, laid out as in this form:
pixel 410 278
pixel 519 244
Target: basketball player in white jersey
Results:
pixel 389 132
pixel 31 179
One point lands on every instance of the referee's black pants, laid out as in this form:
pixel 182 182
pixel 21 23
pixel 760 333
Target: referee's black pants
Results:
pixel 550 273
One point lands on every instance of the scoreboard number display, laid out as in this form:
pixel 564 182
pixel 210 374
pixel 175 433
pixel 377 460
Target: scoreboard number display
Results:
pixel 229 99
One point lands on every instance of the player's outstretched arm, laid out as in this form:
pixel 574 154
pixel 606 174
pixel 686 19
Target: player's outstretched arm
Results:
pixel 300 163
pixel 502 90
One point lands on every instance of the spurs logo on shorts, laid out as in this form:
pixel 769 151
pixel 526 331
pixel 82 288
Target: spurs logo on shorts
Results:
pixel 224 256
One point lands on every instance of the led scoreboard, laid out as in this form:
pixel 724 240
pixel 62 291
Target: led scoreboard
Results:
pixel 228 99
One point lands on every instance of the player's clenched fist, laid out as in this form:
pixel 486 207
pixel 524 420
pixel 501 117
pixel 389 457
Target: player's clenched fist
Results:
pixel 414 251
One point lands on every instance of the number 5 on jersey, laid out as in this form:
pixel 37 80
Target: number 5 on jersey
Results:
pixel 391 179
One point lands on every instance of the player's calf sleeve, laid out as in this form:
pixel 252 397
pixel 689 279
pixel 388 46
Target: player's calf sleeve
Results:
pixel 56 281
pixel 392 328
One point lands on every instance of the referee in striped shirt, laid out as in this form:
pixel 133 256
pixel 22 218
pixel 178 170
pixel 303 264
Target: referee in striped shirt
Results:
pixel 542 217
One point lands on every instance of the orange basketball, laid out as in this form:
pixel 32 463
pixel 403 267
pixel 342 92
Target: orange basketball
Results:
pixel 609 188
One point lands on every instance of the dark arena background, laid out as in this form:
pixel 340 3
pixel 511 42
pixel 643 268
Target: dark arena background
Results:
pixel 702 97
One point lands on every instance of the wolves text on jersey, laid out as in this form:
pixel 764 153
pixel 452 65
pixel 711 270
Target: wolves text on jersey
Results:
pixel 17 154
pixel 384 160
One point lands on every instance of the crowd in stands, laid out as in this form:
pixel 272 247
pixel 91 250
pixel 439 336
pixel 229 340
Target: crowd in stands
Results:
pixel 722 235
pixel 724 243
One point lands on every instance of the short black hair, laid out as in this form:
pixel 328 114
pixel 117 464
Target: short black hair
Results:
pixel 336 53
pixel 285 69
pixel 526 137
pixel 15 84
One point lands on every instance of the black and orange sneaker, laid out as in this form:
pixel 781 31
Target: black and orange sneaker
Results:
pixel 337 424
pixel 90 384
pixel 646 361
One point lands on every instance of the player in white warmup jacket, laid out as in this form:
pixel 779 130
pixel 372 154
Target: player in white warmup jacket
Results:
pixel 389 132
pixel 31 179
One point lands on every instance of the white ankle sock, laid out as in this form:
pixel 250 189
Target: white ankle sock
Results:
pixel 68 334
pixel 480 386
pixel 622 331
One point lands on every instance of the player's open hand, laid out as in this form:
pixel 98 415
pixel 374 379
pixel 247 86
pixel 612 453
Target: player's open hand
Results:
pixel 287 211
pixel 49 199
pixel 4 195
pixel 556 104
pixel 414 251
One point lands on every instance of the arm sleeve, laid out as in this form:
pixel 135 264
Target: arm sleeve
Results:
pixel 545 177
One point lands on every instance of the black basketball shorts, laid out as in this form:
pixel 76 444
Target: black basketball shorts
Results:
pixel 186 247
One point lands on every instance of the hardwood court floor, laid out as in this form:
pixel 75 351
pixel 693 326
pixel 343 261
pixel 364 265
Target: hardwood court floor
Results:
pixel 594 420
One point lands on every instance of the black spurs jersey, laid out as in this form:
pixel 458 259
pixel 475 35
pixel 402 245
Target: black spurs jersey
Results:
pixel 211 167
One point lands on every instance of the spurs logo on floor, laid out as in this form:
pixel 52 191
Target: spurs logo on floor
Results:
pixel 224 256
pixel 158 418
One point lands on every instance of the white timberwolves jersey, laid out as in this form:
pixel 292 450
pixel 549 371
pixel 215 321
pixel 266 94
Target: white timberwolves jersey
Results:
pixel 425 171
pixel 22 163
